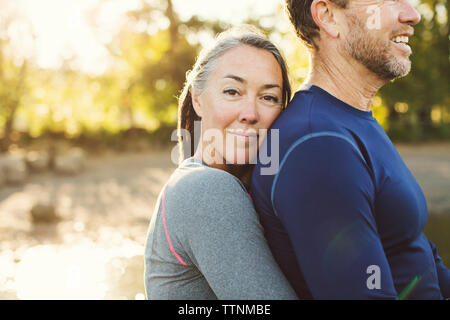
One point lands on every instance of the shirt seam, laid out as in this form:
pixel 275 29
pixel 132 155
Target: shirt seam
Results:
pixel 297 143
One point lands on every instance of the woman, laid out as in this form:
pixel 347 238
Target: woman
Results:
pixel 205 240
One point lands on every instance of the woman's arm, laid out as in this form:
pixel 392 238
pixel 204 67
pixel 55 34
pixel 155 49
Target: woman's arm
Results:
pixel 222 236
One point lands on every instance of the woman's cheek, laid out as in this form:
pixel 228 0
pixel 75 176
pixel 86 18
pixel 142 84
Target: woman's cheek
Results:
pixel 271 117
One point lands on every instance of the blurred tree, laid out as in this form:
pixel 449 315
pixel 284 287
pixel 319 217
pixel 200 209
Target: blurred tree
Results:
pixel 13 74
pixel 10 98
pixel 153 49
pixel 156 59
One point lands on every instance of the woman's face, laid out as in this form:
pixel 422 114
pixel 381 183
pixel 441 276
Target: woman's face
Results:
pixel 242 96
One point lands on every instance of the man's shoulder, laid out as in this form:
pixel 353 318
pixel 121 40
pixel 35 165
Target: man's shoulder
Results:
pixel 307 113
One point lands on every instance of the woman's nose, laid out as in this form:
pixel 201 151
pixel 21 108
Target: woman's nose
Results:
pixel 249 113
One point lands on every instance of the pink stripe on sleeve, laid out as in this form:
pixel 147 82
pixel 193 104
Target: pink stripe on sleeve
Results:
pixel 167 232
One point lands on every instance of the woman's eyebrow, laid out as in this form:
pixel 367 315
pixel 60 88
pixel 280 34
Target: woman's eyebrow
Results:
pixel 241 80
pixel 270 86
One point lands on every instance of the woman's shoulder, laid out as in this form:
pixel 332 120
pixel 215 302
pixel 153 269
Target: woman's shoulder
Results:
pixel 198 196
pixel 193 176
pixel 196 190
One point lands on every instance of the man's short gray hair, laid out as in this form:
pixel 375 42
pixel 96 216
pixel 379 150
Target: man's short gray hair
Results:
pixel 299 12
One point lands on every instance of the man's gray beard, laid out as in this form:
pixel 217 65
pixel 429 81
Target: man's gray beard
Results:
pixel 373 53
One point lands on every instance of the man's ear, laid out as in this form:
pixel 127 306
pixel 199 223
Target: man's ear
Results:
pixel 195 96
pixel 323 13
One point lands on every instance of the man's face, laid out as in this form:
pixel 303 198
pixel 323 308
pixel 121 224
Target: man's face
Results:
pixel 377 35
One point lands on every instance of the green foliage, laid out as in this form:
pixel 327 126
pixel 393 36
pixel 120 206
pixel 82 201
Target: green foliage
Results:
pixel 427 87
pixel 436 230
pixel 149 67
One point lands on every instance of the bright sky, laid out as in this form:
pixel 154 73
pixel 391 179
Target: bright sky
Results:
pixel 62 27
pixel 233 11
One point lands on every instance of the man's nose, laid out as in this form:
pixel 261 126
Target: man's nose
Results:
pixel 249 113
pixel 408 14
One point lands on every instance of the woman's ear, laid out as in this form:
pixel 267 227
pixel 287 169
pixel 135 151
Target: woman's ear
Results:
pixel 323 13
pixel 195 96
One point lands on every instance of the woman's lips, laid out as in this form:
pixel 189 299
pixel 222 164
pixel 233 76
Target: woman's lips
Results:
pixel 249 136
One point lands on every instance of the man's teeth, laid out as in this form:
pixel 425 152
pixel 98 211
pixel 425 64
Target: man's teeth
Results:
pixel 400 39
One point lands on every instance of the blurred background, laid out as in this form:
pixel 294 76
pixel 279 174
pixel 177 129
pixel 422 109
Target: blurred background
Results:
pixel 87 106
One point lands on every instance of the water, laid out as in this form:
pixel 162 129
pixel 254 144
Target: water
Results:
pixel 96 250
pixel 111 267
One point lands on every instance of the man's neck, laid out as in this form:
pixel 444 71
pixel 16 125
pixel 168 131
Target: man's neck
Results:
pixel 347 80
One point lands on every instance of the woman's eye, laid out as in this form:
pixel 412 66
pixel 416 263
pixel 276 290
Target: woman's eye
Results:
pixel 231 92
pixel 271 99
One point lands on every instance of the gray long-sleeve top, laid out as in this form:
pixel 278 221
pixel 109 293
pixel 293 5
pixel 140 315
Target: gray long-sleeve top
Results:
pixel 205 241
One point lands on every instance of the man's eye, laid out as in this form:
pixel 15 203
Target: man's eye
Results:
pixel 231 92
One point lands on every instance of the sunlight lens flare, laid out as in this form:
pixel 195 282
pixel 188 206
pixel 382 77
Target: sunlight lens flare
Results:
pixel 49 272
pixel 57 272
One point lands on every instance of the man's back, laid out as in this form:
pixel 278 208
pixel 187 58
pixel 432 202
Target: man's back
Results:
pixel 343 205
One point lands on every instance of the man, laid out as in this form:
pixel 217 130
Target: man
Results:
pixel 343 215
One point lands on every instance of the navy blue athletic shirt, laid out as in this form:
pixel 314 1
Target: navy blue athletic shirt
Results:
pixel 343 215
